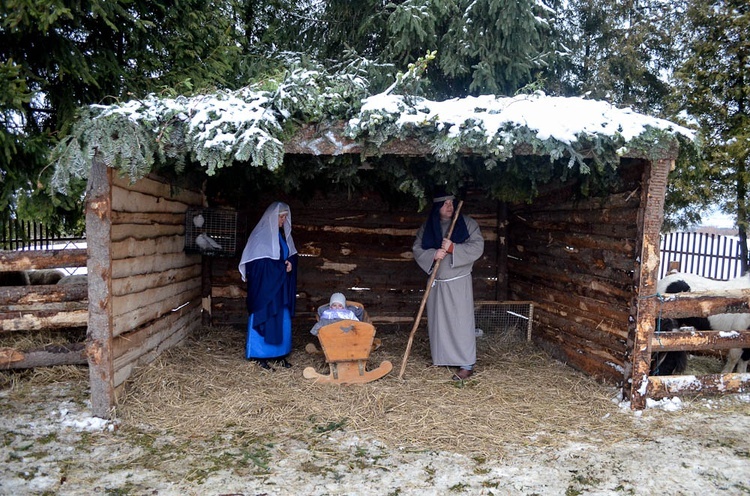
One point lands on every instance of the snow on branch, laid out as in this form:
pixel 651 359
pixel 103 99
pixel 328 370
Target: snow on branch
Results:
pixel 251 126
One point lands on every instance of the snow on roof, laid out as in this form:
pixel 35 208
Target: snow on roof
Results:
pixel 247 126
pixel 560 118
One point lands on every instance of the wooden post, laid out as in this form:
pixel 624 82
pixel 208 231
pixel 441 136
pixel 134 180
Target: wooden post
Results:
pixel 501 291
pixel 642 325
pixel 99 266
pixel 206 278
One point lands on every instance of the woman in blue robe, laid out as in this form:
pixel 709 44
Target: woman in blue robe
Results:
pixel 269 265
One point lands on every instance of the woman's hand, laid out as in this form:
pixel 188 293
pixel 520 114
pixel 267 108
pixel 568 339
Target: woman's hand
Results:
pixel 288 265
pixel 447 245
pixel 440 254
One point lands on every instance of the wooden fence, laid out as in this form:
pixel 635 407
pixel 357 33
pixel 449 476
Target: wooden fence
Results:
pixel 26 235
pixel 707 255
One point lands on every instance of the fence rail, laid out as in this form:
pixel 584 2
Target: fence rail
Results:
pixel 26 235
pixel 707 255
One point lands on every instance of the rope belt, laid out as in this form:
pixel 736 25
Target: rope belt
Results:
pixel 449 280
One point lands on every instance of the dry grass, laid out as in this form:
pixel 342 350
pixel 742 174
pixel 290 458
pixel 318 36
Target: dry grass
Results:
pixel 518 395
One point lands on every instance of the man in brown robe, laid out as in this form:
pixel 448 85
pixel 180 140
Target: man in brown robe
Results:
pixel 450 305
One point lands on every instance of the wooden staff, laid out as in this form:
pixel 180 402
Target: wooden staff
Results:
pixel 426 294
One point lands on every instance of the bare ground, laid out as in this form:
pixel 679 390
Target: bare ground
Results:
pixel 524 424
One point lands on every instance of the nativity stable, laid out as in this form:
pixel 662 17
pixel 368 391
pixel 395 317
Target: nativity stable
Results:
pixel 569 194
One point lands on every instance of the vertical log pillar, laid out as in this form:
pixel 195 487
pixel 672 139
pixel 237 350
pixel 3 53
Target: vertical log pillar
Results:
pixel 99 266
pixel 206 278
pixel 501 291
pixel 643 306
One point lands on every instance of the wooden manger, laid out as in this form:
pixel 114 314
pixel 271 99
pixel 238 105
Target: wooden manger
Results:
pixel 347 345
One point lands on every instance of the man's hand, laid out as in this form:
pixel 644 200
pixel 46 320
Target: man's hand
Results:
pixel 447 245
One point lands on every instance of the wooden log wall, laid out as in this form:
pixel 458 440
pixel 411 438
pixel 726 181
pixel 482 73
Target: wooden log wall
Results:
pixel 575 258
pixel 145 290
pixel 28 309
pixel 360 246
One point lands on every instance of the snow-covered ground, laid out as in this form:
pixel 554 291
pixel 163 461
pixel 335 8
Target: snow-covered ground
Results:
pixel 52 445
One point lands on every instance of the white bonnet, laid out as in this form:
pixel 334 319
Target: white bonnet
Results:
pixel 337 298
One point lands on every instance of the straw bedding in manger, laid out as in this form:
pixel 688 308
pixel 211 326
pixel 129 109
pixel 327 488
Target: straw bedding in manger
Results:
pixel 518 395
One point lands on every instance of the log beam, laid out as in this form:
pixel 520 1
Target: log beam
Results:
pixel 48 356
pixel 666 386
pixel 699 340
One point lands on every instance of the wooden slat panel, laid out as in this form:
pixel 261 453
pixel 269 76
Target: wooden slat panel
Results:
pixel 143 345
pixel 158 187
pixel 142 282
pixel 129 267
pixel 137 247
pixel 142 231
pixel 133 201
pixel 152 308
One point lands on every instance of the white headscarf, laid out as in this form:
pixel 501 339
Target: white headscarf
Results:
pixel 264 240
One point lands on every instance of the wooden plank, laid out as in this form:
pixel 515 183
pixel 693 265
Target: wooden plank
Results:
pixel 41 259
pixel 596 310
pixel 596 362
pixel 98 229
pixel 580 241
pixel 580 329
pixel 135 247
pixel 159 187
pixel 700 340
pixel 139 283
pixel 150 343
pixel 132 320
pixel 127 347
pixel 130 267
pixel 131 302
pixel 599 263
pixel 141 231
pixel 133 201
pixel 538 277
pixel 556 201
pixel 667 386
pixel 148 218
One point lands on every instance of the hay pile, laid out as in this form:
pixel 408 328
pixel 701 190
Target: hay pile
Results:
pixel 518 395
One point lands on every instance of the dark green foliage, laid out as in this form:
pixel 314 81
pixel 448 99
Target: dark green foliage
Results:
pixel 58 56
pixel 714 88
pixel 619 51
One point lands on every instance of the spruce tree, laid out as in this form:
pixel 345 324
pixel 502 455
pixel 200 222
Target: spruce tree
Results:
pixel 58 56
pixel 714 89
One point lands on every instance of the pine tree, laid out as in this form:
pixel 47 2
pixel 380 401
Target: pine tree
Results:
pixel 619 51
pixel 58 56
pixel 714 85
pixel 483 46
